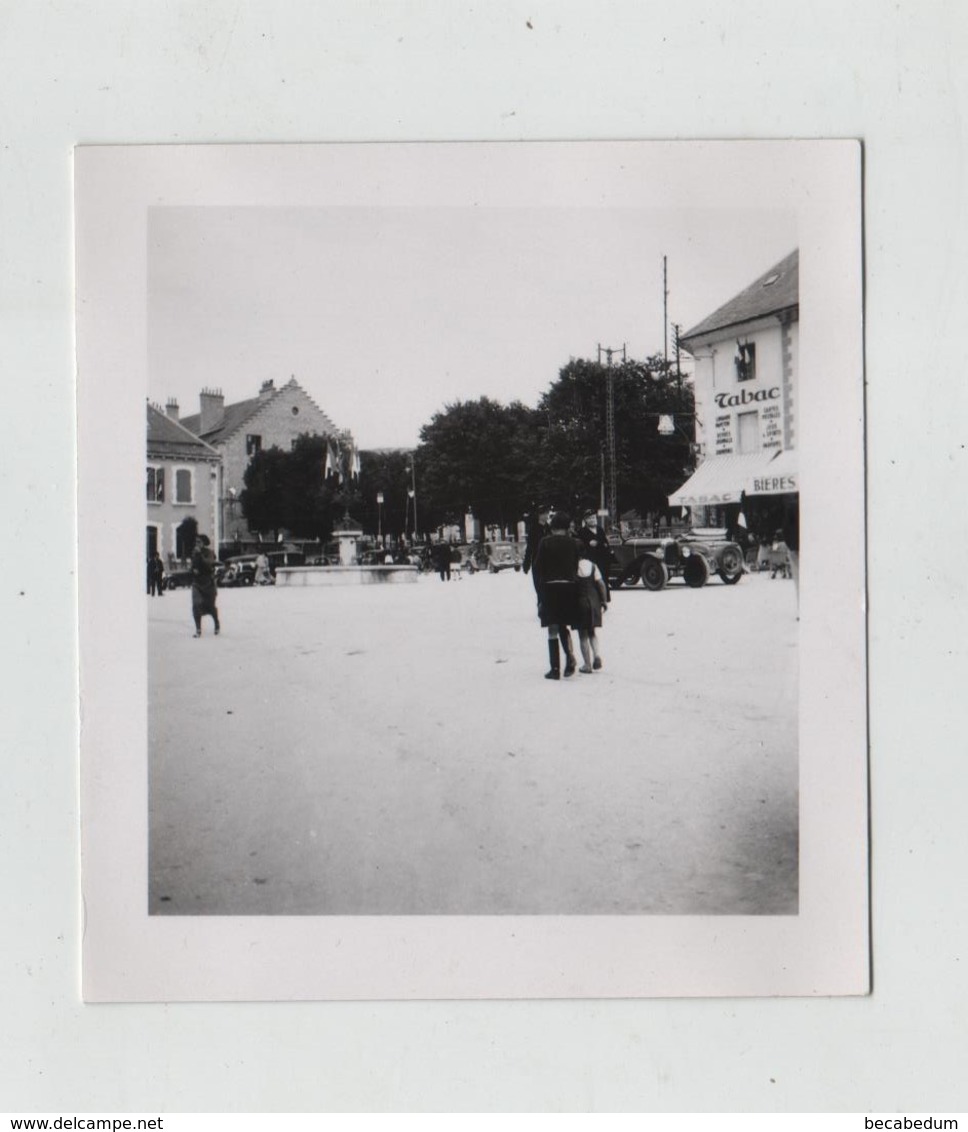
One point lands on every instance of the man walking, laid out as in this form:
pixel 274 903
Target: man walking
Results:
pixel 555 570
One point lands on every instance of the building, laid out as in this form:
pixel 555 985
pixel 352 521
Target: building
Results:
pixel 273 419
pixel 746 372
pixel 183 474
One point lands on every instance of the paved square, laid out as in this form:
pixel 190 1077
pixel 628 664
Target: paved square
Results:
pixel 396 750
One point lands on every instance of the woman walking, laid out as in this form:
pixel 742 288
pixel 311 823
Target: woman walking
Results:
pixel 203 584
pixel 591 600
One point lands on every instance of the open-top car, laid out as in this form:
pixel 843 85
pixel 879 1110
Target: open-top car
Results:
pixel 694 556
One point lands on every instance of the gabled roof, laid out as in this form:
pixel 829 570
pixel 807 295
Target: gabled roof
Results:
pixel 167 437
pixel 775 290
pixel 233 418
pixel 237 415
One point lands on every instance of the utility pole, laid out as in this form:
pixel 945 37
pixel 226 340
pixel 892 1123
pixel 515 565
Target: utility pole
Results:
pixel 665 312
pixel 677 327
pixel 610 430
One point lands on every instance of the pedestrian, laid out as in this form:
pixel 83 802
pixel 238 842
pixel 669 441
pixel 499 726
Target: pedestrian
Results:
pixel 156 575
pixel 203 584
pixel 593 539
pixel 555 571
pixel 442 556
pixel 262 575
pixel 591 601
pixel 537 529
pixel 791 536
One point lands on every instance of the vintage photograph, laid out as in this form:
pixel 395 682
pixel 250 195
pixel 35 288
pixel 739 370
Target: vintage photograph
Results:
pixel 466 529
pixel 468 642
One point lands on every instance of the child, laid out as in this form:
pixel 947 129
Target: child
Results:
pixel 591 601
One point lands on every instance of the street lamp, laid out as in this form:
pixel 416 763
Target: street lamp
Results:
pixel 379 520
pixel 412 492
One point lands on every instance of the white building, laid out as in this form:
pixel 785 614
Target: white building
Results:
pixel 746 372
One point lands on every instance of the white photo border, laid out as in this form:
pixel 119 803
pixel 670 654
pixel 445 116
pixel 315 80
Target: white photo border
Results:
pixel 131 956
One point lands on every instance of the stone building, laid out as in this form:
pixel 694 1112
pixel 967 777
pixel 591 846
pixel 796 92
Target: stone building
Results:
pixel 746 372
pixel 183 474
pixel 275 418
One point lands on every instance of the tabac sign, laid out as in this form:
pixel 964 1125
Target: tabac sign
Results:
pixel 746 397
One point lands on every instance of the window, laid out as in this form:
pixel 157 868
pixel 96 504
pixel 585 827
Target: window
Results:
pixel 253 444
pixel 184 484
pixel 745 361
pixel 748 427
pixel 156 485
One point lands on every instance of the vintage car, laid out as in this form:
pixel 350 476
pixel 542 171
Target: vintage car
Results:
pixel 180 577
pixel 239 571
pixel 502 556
pixel 693 556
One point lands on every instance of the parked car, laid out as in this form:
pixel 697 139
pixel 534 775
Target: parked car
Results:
pixel 502 556
pixel 470 558
pixel 239 571
pixel 693 556
pixel 180 578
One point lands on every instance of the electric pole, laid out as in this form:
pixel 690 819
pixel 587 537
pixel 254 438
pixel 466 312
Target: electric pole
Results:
pixel 665 312
pixel 610 430
pixel 677 327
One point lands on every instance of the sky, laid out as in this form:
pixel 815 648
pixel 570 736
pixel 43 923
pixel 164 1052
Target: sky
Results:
pixel 385 315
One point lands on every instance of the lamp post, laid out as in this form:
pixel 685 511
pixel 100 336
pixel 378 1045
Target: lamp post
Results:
pixel 379 520
pixel 412 492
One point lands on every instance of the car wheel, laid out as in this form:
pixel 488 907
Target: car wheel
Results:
pixel 731 565
pixel 654 574
pixel 695 571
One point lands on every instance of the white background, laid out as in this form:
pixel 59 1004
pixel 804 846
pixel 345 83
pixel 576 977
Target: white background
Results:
pixel 890 74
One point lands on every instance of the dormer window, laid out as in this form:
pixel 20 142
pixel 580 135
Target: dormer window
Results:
pixel 745 361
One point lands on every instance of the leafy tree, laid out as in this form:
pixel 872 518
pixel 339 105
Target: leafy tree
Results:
pixel 263 497
pixel 309 498
pixel 478 455
pixel 289 491
pixel 649 465
pixel 385 470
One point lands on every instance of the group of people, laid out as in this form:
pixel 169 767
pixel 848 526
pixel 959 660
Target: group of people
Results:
pixel 570 576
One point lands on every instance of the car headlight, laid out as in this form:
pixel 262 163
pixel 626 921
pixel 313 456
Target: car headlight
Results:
pixel 686 552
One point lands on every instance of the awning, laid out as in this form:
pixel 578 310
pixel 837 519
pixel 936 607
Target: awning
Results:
pixel 779 477
pixel 719 480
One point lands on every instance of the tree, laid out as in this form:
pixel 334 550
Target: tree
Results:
pixel 263 497
pixel 649 465
pixel 289 491
pixel 385 471
pixel 477 455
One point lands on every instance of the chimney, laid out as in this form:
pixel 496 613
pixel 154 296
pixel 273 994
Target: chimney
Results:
pixel 172 408
pixel 212 403
pixel 267 390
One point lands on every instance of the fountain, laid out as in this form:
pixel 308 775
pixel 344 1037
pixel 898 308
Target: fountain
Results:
pixel 349 571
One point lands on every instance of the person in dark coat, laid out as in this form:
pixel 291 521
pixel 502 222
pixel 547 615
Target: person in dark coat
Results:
pixel 537 529
pixel 555 571
pixel 441 555
pixel 204 590
pixel 156 575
